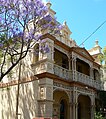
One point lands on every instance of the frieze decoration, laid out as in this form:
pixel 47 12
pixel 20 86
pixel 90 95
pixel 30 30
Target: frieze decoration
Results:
pixel 85 91
pixel 59 85
pixel 79 90
pixel 42 93
pixel 81 58
pixel 76 91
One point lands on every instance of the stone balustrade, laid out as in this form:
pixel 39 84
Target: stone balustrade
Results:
pixel 62 72
pixel 66 74
pixel 77 77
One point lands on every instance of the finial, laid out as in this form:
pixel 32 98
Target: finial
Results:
pixel 65 23
pixel 96 43
pixel 48 4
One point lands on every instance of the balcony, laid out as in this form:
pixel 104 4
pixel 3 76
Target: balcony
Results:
pixel 45 66
pixel 77 77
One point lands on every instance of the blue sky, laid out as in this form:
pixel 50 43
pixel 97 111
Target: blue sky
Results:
pixel 83 17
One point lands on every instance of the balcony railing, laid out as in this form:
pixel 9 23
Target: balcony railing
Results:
pixel 45 66
pixel 62 72
pixel 77 77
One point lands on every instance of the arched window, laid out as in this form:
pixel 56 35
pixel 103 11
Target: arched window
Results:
pixel 61 59
pixel 36 53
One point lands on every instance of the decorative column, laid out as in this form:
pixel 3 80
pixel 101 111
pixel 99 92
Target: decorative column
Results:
pixel 70 66
pixel 74 63
pixel 69 62
pixel 45 99
pixel 92 106
pixel 91 71
pixel 91 76
pixel 75 110
pixel 47 58
pixel 73 60
pixel 71 110
pixel 71 105
pixel 92 111
pixel 75 105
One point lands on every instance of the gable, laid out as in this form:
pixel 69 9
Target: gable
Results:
pixel 83 52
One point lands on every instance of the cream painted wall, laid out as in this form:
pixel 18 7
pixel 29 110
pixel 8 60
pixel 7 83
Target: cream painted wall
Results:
pixel 27 101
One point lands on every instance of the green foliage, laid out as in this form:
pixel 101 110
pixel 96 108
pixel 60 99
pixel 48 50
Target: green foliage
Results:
pixel 2 37
pixel 102 57
pixel 1 55
pixel 104 50
pixel 98 115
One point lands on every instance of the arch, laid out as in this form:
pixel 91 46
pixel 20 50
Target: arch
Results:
pixel 59 89
pixel 62 60
pixel 84 107
pixel 61 104
pixel 96 74
pixel 82 67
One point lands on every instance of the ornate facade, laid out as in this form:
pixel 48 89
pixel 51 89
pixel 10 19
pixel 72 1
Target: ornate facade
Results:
pixel 61 84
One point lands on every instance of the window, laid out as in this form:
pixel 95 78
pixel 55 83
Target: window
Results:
pixel 36 53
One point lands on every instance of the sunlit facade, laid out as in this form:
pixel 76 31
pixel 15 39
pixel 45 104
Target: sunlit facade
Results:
pixel 60 84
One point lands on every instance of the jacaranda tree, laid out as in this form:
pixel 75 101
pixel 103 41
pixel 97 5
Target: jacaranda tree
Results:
pixel 21 23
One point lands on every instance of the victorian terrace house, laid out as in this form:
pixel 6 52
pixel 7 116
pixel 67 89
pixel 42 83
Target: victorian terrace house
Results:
pixel 61 84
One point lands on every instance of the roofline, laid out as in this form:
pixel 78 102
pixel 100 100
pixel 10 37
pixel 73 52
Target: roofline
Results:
pixel 69 49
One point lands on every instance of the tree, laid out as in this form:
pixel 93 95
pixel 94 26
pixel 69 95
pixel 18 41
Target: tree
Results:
pixel 98 115
pixel 102 57
pixel 21 25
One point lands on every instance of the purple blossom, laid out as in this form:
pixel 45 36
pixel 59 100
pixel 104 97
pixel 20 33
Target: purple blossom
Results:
pixel 48 18
pixel 1 45
pixel 21 23
pixel 20 34
pixel 46 49
pixel 38 36
pixel 60 27
pixel 43 41
pixel 16 29
pixel 0 19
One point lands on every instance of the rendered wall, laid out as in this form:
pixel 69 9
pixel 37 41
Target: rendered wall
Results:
pixel 27 101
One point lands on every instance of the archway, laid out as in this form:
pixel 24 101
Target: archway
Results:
pixel 82 67
pixel 62 60
pixel 61 105
pixel 84 107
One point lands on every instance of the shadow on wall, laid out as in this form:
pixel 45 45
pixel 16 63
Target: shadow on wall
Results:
pixel 28 100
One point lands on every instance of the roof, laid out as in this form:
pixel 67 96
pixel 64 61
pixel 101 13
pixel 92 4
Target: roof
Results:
pixel 83 52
